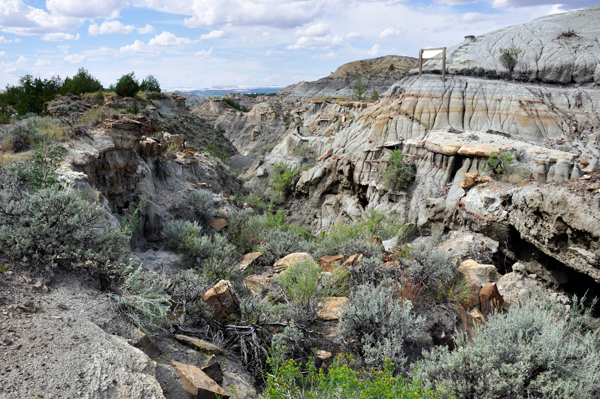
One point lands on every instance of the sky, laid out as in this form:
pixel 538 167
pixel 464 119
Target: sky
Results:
pixel 204 43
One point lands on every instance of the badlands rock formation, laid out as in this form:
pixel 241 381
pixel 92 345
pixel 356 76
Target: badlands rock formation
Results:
pixel 561 48
pixel 447 129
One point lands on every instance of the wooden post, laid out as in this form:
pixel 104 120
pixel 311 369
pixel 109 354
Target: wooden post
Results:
pixel 444 65
pixel 420 62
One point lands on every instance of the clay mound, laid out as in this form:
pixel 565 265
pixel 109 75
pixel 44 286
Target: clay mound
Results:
pixel 379 65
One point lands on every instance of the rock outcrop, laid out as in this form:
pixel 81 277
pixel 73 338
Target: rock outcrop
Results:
pixel 561 48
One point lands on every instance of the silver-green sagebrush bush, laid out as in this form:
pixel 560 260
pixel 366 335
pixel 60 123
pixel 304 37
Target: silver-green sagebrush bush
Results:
pixel 375 326
pixel 48 228
pixel 143 298
pixel 536 349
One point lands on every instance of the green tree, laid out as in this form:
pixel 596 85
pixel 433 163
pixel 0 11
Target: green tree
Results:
pixel 82 82
pixel 127 85
pixel 45 161
pixel 359 89
pixel 375 95
pixel 150 84
pixel 397 174
pixel 391 68
pixel 31 95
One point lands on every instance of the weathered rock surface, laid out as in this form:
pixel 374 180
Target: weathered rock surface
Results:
pixel 561 48
pixel 330 309
pixel 223 302
pixel 197 384
pixel 288 260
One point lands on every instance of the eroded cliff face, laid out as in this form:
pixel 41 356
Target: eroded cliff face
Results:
pixel 447 130
pixel 132 157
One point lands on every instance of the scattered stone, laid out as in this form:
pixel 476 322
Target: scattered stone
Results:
pixel 247 260
pixel 212 368
pixel 297 257
pixel 177 139
pixel 197 343
pixel 218 224
pixel 389 245
pixel 257 283
pixel 353 259
pixel 223 302
pixel 197 384
pixel 491 300
pixel 332 308
pixel 331 262
pixel 325 155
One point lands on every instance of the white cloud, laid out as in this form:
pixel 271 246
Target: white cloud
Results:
pixel 65 48
pixel 389 33
pixel 41 62
pixel 204 53
pixel 75 58
pixel 374 50
pixel 455 2
pixel 137 47
pixel 326 42
pixel 5 41
pixel 354 36
pixel 3 54
pixel 206 13
pixel 169 39
pixel 215 34
pixel 59 37
pixel 146 29
pixel 22 60
pixel 85 9
pixel 110 27
pixel 328 55
pixel 21 19
pixel 565 5
pixel 317 30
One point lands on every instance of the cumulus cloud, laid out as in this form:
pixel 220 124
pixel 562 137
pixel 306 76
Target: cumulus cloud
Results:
pixel 85 9
pixel 325 42
pixel 65 48
pixel 59 37
pixel 110 27
pixel 206 13
pixel 215 34
pixel 204 53
pixel 146 29
pixel 6 41
pixel 75 58
pixel 169 39
pixel 389 33
pixel 455 2
pixel 374 50
pixel 137 47
pixel 41 62
pixel 21 19
pixel 22 60
pixel 354 36
pixel 317 30
pixel 328 55
pixel 3 54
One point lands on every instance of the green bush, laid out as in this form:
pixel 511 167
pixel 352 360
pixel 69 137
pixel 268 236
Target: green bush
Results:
pixel 500 164
pixel 175 232
pixel 303 151
pixel 288 379
pixel 536 349
pixel 81 83
pixel 127 85
pixel 278 243
pixel 150 84
pixel 397 174
pixel 17 137
pixel 231 102
pixel 48 229
pixel 375 95
pixel 431 269
pixel 45 161
pixel 508 56
pixel 300 283
pixel 283 179
pixel 375 327
pixel 143 298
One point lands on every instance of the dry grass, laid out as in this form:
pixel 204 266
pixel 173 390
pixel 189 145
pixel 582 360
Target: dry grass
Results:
pixel 7 158
pixel 96 115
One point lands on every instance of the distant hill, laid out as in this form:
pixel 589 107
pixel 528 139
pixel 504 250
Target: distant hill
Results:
pixel 219 91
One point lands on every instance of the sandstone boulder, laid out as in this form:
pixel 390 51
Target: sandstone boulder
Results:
pixel 257 283
pixel 490 298
pixel 331 262
pixel 197 384
pixel 325 155
pixel 212 368
pixel 330 309
pixel 197 343
pixel 218 224
pixel 297 257
pixel 476 276
pixel 247 260
pixel 222 301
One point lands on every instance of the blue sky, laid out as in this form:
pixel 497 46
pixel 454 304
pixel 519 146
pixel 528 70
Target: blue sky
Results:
pixel 202 43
